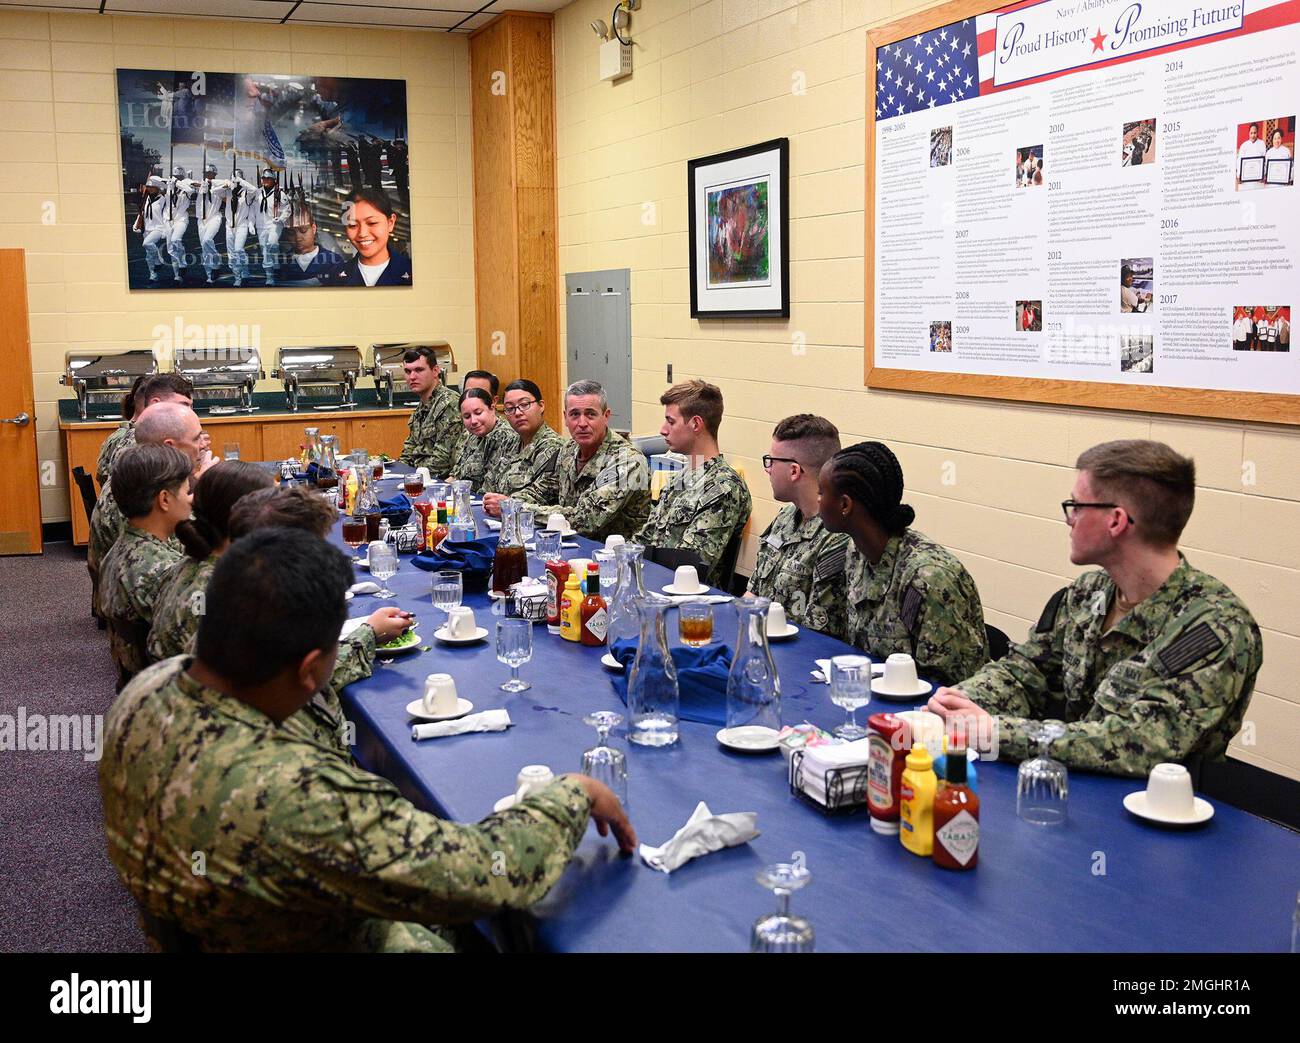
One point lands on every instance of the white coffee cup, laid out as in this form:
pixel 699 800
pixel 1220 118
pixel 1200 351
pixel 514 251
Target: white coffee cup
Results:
pixel 460 622
pixel 686 579
pixel 1169 791
pixel 423 472
pixel 440 695
pixel 926 729
pixel 579 565
pixel 614 540
pixel 532 778
pixel 776 621
pixel 557 522
pixel 900 674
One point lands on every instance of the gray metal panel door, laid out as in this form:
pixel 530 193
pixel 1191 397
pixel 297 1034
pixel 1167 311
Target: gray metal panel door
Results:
pixel 598 314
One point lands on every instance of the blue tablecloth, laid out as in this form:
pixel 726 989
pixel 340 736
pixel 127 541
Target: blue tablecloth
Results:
pixel 1103 882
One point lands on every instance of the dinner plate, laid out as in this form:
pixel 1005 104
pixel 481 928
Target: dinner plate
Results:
pixel 672 588
pixel 1136 803
pixel 442 634
pixel 749 738
pixel 922 688
pixel 609 661
pixel 789 631
pixel 410 646
pixel 416 709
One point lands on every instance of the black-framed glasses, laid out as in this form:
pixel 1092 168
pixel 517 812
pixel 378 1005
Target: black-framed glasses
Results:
pixel 769 460
pixel 1068 508
pixel 519 407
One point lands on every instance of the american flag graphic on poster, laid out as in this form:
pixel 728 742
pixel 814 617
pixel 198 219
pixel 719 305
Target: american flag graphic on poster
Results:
pixel 928 70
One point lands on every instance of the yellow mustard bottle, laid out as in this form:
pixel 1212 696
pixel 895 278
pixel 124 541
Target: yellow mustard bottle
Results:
pixel 916 809
pixel 571 609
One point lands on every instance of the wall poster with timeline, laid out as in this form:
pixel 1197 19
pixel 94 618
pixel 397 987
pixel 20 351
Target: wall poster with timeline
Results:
pixel 1087 201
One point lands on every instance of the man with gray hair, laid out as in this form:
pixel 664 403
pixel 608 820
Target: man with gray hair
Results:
pixel 604 479
pixel 163 423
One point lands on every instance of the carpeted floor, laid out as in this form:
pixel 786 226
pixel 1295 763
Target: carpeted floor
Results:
pixel 58 891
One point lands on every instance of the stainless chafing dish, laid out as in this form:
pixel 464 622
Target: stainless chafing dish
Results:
pixel 97 375
pixel 223 378
pixel 386 364
pixel 319 373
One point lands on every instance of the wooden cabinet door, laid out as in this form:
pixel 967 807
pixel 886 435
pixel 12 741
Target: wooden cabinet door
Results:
pixel 381 434
pixel 248 437
pixel 284 438
pixel 81 447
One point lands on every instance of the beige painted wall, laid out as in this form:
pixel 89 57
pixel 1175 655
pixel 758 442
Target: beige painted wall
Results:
pixel 710 76
pixel 58 118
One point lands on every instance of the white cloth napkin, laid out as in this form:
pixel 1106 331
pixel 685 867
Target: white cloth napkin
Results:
pixel 364 587
pixel 350 625
pixel 818 760
pixel 702 599
pixel 492 523
pixel 703 832
pixel 487 721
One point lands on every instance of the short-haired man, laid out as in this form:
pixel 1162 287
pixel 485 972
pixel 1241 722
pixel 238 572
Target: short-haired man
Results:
pixel 160 387
pixel 481 378
pixel 703 506
pixel 1147 659
pixel 153 492
pixel 800 562
pixel 304 850
pixel 604 480
pixel 436 427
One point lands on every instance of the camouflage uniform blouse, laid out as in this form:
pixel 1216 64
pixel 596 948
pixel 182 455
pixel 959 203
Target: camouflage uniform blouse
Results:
pixel 610 494
pixel 436 433
pixel 699 509
pixel 801 565
pixel 477 452
pixel 529 472
pixel 130 577
pixel 121 438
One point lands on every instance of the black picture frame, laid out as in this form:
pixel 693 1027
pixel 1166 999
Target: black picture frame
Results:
pixel 1250 169
pixel 1287 166
pixel 696 177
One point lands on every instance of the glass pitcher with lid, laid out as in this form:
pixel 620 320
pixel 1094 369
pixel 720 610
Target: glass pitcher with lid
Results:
pixel 327 474
pixel 753 687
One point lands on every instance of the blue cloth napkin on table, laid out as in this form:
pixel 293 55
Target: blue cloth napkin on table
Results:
pixel 468 556
pixel 701 679
pixel 397 509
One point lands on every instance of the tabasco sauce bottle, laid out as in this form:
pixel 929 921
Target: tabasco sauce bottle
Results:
pixel 595 613
pixel 956 818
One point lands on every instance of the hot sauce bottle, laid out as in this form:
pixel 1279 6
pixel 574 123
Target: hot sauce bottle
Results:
pixel 571 609
pixel 557 573
pixel 956 818
pixel 438 530
pixel 595 613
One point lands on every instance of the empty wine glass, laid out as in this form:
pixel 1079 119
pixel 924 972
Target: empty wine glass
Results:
pixel 603 762
pixel 1042 784
pixel 782 932
pixel 514 648
pixel 850 688
pixel 383 566
pixel 448 588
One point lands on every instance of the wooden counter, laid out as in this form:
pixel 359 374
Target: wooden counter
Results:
pixel 264 435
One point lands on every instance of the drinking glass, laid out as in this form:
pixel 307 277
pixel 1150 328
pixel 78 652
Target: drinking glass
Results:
pixel 782 932
pixel 383 566
pixel 526 527
pixel 850 688
pixel 514 648
pixel 608 562
pixel 413 486
pixel 230 450
pixel 695 624
pixel 603 762
pixel 1043 784
pixel 548 545
pixel 448 588
pixel 354 535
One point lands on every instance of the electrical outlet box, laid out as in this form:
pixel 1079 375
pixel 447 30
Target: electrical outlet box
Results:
pixel 615 60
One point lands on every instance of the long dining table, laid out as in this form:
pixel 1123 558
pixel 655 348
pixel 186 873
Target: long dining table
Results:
pixel 1103 881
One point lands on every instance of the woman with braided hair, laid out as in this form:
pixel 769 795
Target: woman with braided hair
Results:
pixel 905 592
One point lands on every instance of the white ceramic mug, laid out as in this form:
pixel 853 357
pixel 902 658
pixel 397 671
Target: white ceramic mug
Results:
pixel 614 540
pixel 440 695
pixel 460 621
pixel 686 579
pixel 423 472
pixel 925 728
pixel 558 522
pixel 1169 791
pixel 776 621
pixel 532 778
pixel 900 673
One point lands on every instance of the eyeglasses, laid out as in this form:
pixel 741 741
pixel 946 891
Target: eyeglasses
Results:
pixel 519 407
pixel 1069 507
pixel 769 460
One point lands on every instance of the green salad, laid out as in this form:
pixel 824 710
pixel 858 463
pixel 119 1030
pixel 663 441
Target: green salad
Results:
pixel 405 640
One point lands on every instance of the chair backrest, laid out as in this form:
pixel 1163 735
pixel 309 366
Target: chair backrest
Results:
pixel 727 563
pixel 86 484
pixel 1252 789
pixel 671 557
pixel 999 643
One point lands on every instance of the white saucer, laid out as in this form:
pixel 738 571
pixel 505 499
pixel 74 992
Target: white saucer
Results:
pixel 671 588
pixel 878 688
pixel 1136 802
pixel 609 661
pixel 416 709
pixel 442 635
pixel 364 563
pixel 790 631
pixel 497 597
pixel 751 738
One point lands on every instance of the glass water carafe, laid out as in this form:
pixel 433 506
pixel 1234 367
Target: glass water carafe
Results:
pixel 462 513
pixel 327 474
pixel 753 688
pixel 653 698
pixel 511 562
pixel 624 620
pixel 311 451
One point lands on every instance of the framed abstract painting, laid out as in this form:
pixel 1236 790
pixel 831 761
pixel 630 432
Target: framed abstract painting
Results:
pixel 738 213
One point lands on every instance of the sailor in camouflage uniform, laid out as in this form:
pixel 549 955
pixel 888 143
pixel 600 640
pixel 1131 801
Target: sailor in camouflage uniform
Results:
pixel 527 473
pixel 436 427
pixel 800 564
pixel 604 481
pixel 702 507
pixel 487 439
pixel 156 387
pixel 905 592
pixel 122 437
pixel 1148 659
pixel 301 849
pixel 154 484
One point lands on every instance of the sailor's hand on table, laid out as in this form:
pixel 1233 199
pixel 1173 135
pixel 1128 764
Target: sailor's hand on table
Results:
pixel 608 813
pixel 953 704
pixel 388 623
pixel 492 504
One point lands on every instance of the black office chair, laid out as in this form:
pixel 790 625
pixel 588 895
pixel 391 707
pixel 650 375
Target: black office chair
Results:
pixel 167 935
pixel 999 643
pixel 86 483
pixel 673 557
pixel 1245 786
pixel 727 563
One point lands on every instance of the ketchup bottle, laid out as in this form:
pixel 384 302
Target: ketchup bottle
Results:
pixel 557 574
pixel 956 818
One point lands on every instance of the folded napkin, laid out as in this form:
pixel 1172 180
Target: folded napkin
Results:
pixel 493 523
pixel 365 587
pixel 487 721
pixel 819 760
pixel 397 509
pixel 467 556
pixel 701 599
pixel 701 679
pixel 703 832
pixel 350 625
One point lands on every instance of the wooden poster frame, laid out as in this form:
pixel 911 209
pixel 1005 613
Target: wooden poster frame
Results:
pixel 1199 402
